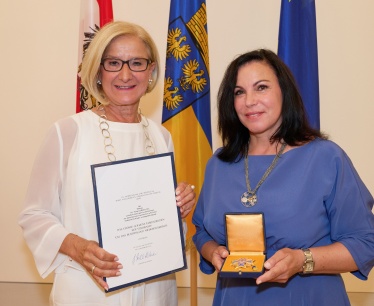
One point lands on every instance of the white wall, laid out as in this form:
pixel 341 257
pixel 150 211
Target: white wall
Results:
pixel 39 53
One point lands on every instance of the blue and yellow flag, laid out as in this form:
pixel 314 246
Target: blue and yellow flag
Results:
pixel 186 104
pixel 297 46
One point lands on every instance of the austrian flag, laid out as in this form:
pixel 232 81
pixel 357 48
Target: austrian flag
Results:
pixel 94 14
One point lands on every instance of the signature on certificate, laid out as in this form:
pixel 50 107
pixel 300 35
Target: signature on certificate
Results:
pixel 143 256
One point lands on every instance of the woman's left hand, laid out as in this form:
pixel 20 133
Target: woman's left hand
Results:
pixel 185 196
pixel 281 266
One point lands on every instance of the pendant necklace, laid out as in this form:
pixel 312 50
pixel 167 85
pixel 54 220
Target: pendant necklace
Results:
pixel 108 143
pixel 249 198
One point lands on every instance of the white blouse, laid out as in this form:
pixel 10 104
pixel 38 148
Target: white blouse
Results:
pixel 60 197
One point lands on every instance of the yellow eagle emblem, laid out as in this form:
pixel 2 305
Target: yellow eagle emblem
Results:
pixel 192 79
pixel 174 45
pixel 171 102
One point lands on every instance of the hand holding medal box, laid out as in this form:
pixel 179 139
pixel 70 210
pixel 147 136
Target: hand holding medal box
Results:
pixel 246 244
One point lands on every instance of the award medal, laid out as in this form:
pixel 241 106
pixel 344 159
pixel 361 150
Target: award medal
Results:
pixel 244 263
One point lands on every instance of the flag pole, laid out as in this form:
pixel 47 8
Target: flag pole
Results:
pixel 193 275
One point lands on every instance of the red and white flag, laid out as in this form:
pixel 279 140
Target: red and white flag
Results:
pixel 94 14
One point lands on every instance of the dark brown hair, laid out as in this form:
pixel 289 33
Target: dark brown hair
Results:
pixel 294 129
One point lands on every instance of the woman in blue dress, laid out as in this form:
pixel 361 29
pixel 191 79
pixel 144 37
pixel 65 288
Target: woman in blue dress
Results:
pixel 317 211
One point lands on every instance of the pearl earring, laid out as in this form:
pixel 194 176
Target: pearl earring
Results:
pixel 98 82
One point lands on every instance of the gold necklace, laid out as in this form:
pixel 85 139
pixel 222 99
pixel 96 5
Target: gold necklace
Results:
pixel 249 198
pixel 108 142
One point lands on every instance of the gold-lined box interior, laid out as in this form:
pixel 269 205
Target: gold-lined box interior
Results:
pixel 245 243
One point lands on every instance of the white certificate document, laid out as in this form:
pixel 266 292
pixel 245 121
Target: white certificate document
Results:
pixel 138 219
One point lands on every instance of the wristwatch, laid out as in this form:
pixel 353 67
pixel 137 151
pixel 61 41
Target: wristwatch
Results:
pixel 308 265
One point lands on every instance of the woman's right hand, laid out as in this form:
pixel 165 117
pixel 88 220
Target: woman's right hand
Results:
pixel 95 259
pixel 219 256
pixel 215 253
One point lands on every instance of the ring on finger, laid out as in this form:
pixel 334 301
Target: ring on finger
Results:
pixel 192 187
pixel 93 269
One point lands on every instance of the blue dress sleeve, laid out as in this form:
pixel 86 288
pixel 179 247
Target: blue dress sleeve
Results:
pixel 349 207
pixel 201 236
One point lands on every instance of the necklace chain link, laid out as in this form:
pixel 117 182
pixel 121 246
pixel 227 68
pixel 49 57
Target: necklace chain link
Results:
pixel 249 198
pixel 108 141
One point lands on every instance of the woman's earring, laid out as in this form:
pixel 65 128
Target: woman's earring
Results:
pixel 98 82
pixel 149 84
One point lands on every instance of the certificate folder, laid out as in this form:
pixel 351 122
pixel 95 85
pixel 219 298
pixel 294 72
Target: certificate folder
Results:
pixel 138 219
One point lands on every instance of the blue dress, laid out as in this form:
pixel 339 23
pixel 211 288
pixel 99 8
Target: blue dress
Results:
pixel 313 197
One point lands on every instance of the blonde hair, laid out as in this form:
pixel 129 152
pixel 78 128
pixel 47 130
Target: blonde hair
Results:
pixel 94 53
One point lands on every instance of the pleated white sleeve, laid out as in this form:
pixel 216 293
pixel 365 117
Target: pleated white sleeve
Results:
pixel 41 218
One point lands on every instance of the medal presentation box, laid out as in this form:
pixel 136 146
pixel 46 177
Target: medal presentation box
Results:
pixel 246 245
